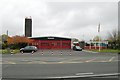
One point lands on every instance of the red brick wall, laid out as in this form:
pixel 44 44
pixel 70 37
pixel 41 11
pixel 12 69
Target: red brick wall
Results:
pixel 53 44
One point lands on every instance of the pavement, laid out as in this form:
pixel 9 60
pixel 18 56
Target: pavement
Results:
pixel 59 63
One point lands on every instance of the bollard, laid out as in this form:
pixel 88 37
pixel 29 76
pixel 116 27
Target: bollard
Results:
pixel 70 52
pixel 61 52
pixel 32 52
pixel 52 52
pixel 11 53
pixel 22 52
pixel 42 52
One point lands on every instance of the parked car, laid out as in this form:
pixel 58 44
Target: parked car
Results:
pixel 29 49
pixel 77 48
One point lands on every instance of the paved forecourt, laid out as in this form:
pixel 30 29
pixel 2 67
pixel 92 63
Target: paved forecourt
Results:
pixel 58 57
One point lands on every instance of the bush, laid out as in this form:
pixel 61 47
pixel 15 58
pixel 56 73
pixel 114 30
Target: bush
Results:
pixel 17 46
pixel 9 51
pixel 4 46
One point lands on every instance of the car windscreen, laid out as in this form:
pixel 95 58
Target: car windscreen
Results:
pixel 27 47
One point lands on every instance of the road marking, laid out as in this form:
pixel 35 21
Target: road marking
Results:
pixel 10 62
pixel 83 73
pixel 68 60
pixel 90 60
pixel 96 75
pixel 89 51
pixel 111 59
pixel 116 60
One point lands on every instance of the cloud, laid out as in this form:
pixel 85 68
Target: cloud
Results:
pixel 69 19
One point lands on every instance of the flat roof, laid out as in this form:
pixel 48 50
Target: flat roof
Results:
pixel 50 38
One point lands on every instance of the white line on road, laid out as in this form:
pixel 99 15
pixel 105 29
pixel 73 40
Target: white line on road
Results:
pixel 111 58
pixel 89 51
pixel 84 73
pixel 90 60
pixel 97 75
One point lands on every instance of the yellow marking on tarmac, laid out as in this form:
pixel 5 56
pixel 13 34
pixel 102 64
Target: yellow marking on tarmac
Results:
pixel 0 62
pixel 111 59
pixel 90 60
pixel 68 60
pixel 10 62
pixel 62 62
pixel 65 61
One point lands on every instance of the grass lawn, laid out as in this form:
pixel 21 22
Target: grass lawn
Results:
pixel 5 51
pixel 107 50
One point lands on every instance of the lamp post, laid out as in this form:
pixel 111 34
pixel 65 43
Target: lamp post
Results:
pixel 99 35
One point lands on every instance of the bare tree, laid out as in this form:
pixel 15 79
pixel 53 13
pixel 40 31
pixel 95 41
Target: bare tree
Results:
pixel 112 36
pixel 114 39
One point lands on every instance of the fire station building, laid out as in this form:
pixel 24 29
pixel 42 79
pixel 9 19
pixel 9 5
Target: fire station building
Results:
pixel 51 42
pixel 48 42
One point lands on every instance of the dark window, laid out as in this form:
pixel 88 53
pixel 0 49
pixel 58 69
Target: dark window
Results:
pixel 44 44
pixel 66 44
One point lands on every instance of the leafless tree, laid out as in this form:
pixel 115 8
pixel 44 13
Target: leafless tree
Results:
pixel 114 38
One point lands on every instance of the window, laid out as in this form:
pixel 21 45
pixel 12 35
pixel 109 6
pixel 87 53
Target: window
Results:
pixel 66 44
pixel 44 44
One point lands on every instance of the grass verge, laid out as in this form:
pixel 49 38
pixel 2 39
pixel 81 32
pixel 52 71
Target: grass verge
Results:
pixel 5 51
pixel 106 50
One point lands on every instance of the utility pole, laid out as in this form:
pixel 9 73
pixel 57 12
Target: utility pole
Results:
pixel 99 35
pixel 7 32
pixel 8 49
pixel 83 41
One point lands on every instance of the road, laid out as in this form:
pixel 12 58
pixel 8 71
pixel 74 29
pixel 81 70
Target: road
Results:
pixel 57 63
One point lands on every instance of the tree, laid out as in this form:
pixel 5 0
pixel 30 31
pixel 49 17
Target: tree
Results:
pixel 3 38
pixel 3 41
pixel 18 41
pixel 75 40
pixel 114 39
pixel 113 36
pixel 0 42
pixel 96 38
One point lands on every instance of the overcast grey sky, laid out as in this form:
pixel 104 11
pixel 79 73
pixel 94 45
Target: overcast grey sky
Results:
pixel 64 19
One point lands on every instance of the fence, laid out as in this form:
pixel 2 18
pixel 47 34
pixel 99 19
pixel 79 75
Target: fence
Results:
pixel 93 47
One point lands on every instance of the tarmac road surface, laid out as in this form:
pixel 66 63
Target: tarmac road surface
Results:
pixel 57 63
